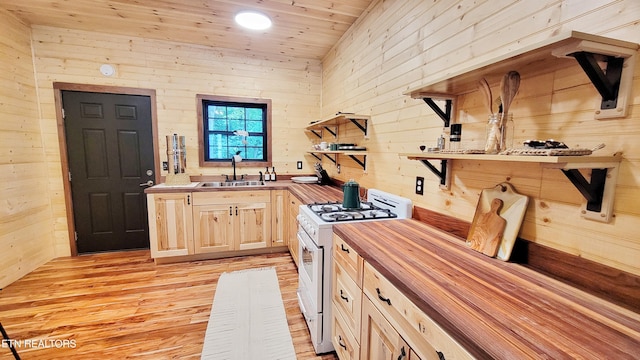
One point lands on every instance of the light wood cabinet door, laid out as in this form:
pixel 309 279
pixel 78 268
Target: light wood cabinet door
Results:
pixel 379 340
pixel 253 225
pixel 213 228
pixel 170 224
pixel 294 209
pixel 279 217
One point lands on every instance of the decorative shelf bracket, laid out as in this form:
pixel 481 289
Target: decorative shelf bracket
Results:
pixel 606 81
pixel 332 132
pixel 332 159
pixel 444 115
pixel 443 173
pixel 362 163
pixel 316 133
pixel 362 126
pixel 609 66
pixel 599 191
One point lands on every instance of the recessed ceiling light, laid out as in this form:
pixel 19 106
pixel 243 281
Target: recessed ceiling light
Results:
pixel 253 20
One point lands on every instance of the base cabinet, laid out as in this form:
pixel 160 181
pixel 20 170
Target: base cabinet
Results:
pixel 379 340
pixel 170 224
pixel 279 217
pixel 182 223
pixel 373 318
pixel 294 208
pixel 232 220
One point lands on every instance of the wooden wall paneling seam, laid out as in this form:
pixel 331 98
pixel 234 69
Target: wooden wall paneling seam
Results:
pixel 58 88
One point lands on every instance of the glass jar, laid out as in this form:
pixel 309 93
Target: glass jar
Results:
pixel 499 134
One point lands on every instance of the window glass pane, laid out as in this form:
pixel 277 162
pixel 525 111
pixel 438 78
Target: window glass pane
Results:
pixel 218 125
pixel 254 126
pixel 235 113
pixel 254 114
pixel 256 141
pixel 236 125
pixel 216 111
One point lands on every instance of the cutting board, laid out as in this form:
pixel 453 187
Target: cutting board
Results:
pixel 486 230
pixel 513 208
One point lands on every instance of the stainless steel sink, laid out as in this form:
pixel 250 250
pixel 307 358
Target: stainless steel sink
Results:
pixel 238 183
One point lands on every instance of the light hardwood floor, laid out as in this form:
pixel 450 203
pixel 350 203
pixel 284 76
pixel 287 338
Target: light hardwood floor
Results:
pixel 123 306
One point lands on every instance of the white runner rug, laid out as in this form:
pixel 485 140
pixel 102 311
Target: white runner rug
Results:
pixel 248 320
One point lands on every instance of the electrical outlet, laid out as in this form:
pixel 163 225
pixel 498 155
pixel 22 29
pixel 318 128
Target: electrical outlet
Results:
pixel 338 167
pixel 165 166
pixel 299 165
pixel 419 185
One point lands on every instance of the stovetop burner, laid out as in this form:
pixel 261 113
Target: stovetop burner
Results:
pixel 334 211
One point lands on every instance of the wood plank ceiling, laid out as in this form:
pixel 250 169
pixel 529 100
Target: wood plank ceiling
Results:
pixel 301 28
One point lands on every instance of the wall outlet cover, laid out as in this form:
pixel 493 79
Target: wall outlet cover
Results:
pixel 299 165
pixel 419 185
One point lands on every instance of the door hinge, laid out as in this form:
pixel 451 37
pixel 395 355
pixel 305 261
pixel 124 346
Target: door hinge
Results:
pixel 75 233
pixel 69 176
pixel 64 116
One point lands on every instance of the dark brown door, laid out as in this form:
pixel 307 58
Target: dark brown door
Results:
pixel 110 149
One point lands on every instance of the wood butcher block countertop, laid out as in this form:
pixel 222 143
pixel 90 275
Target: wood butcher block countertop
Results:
pixel 494 309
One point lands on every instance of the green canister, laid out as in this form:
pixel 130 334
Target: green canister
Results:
pixel 351 195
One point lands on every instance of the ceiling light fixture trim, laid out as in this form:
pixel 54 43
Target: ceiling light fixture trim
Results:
pixel 253 20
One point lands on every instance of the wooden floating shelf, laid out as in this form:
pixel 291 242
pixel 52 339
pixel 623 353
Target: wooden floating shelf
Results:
pixel 361 121
pixel 352 154
pixel 539 58
pixel 584 161
pixel 599 191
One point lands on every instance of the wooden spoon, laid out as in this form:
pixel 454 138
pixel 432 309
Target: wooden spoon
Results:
pixel 484 88
pixel 508 89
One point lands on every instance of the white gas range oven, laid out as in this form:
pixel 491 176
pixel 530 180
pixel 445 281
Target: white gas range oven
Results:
pixel 315 235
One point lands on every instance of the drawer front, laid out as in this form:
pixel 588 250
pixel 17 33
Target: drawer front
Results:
pixel 347 297
pixel 423 334
pixel 350 261
pixel 345 343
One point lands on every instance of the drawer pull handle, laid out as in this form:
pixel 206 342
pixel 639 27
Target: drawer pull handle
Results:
pixel 343 297
pixel 344 248
pixel 440 355
pixel 340 343
pixel 230 210
pixel 403 354
pixel 387 300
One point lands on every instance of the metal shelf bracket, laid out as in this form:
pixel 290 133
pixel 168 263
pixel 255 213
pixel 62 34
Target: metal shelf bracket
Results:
pixel 610 69
pixel 443 173
pixel 445 114
pixel 599 192
pixel 362 126
pixel 316 133
pixel 362 163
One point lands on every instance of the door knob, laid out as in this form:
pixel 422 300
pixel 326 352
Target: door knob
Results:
pixel 148 183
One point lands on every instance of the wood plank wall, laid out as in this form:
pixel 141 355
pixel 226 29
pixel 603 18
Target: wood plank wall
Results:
pixel 177 72
pixel 26 219
pixel 400 43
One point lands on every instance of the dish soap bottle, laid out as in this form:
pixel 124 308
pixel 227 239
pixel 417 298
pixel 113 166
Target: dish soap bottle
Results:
pixel 273 174
pixel 267 175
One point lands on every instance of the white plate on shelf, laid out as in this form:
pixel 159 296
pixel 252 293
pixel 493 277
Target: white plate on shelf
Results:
pixel 305 179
